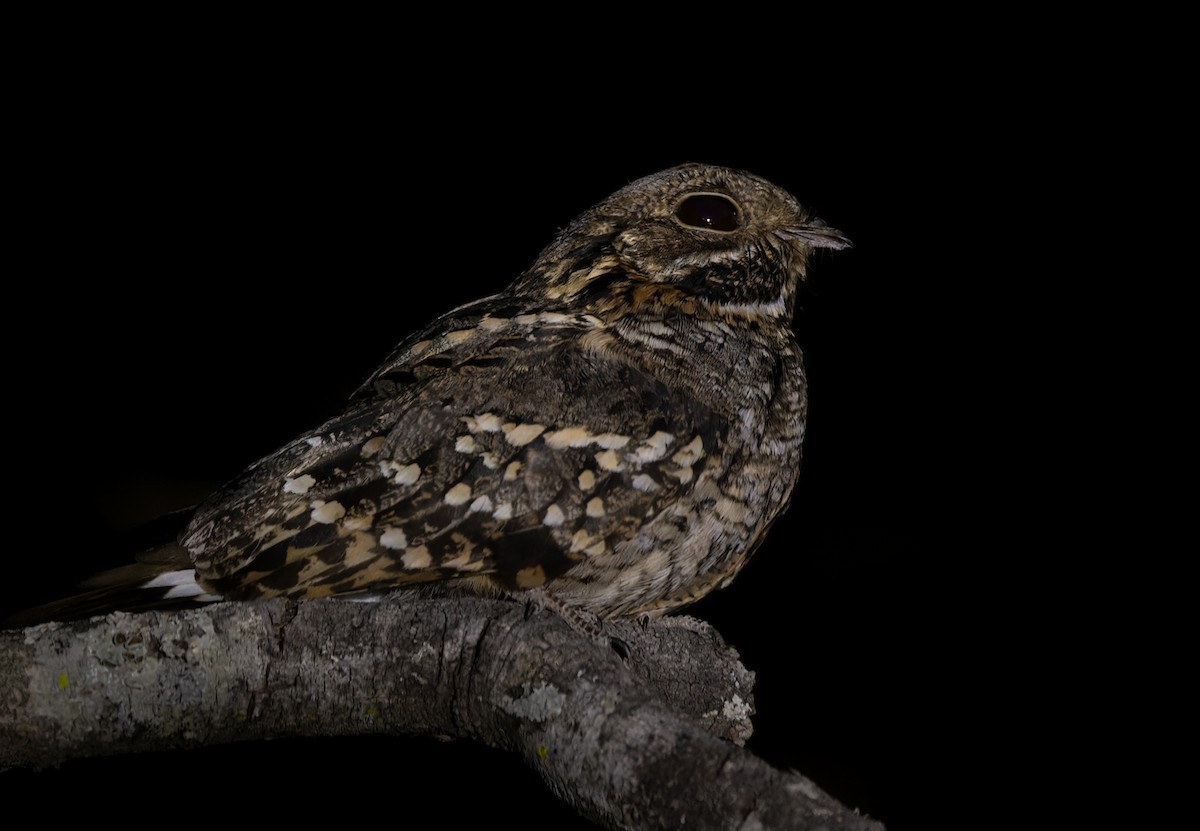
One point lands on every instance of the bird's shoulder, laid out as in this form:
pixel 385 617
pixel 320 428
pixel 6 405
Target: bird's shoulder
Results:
pixel 482 335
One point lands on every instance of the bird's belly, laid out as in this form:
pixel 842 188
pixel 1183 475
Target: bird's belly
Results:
pixel 695 545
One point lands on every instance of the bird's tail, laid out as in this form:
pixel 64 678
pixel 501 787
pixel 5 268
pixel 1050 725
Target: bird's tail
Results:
pixel 161 577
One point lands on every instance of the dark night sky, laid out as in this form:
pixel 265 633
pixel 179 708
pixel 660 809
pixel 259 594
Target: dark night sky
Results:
pixel 216 272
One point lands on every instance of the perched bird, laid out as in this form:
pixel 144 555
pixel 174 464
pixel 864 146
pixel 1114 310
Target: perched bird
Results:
pixel 612 434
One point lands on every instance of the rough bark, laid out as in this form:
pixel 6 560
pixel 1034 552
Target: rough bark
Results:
pixel 651 741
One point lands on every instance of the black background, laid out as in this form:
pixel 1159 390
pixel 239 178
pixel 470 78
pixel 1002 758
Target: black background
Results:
pixel 216 262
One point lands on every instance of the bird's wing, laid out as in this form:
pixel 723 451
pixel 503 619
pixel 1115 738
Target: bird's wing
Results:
pixel 482 450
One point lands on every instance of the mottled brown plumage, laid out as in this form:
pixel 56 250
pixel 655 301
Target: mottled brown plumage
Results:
pixel 616 430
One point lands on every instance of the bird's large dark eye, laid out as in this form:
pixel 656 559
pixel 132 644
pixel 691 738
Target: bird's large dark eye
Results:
pixel 709 211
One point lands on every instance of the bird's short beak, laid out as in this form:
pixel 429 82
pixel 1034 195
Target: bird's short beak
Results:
pixel 819 235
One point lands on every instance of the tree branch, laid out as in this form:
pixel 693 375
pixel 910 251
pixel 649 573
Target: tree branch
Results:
pixel 649 742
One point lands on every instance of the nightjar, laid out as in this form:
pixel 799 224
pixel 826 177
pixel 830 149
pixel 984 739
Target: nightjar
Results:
pixel 613 433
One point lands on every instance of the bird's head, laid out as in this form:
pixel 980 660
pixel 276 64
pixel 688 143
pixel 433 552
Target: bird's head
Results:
pixel 696 236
